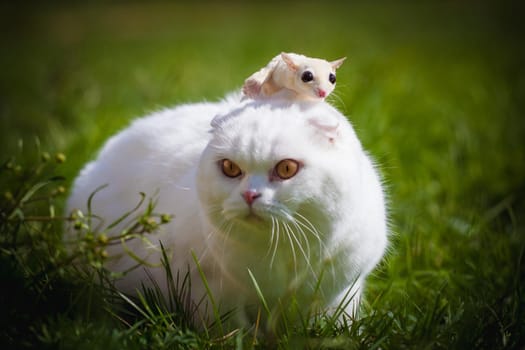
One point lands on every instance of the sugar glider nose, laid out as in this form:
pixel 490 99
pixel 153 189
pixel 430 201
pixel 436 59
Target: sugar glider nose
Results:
pixel 321 93
pixel 250 195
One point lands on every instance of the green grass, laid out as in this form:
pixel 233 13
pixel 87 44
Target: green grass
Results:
pixel 436 94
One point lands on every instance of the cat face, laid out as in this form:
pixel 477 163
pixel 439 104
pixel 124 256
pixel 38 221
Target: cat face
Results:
pixel 262 194
pixel 265 167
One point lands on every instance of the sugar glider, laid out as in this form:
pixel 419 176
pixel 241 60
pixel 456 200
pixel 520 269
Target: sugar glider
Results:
pixel 294 76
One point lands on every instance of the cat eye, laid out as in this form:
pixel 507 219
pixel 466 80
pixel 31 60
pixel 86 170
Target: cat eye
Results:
pixel 331 78
pixel 307 76
pixel 229 168
pixel 286 169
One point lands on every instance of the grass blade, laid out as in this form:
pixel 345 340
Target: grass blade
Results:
pixel 259 292
pixel 214 306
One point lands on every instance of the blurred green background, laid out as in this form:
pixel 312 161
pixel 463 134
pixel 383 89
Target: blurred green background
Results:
pixel 437 73
pixel 435 91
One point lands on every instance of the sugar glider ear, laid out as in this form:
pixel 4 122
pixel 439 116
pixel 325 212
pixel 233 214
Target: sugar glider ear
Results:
pixel 328 129
pixel 337 63
pixel 252 87
pixel 289 61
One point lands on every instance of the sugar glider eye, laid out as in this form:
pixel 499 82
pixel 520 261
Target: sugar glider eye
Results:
pixel 286 169
pixel 307 76
pixel 229 168
pixel 331 78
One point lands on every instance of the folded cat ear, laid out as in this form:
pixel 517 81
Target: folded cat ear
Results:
pixel 327 129
pixel 218 121
pixel 337 63
pixel 289 61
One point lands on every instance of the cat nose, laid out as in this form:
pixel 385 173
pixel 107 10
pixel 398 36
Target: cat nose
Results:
pixel 250 195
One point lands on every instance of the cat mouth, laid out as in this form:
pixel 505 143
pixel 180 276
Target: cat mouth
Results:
pixel 248 215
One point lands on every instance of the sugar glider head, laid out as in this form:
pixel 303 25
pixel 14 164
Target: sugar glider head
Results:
pixel 312 78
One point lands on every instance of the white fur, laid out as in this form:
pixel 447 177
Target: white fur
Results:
pixel 282 76
pixel 331 214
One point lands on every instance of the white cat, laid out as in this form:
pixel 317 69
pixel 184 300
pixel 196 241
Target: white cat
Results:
pixel 282 191
pixel 294 77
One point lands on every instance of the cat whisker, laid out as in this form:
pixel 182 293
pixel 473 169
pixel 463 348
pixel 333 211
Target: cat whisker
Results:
pixel 272 237
pixel 292 246
pixel 307 254
pixel 297 235
pixel 213 209
pixel 304 237
pixel 222 252
pixel 223 231
pixel 275 224
pixel 208 246
pixel 224 226
pixel 227 230
pixel 307 224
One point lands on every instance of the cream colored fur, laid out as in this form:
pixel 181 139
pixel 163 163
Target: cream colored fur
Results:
pixel 283 76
